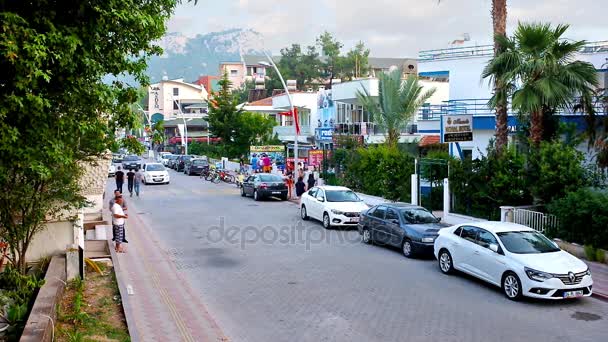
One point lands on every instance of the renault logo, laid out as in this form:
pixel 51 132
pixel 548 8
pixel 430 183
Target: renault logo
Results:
pixel 571 277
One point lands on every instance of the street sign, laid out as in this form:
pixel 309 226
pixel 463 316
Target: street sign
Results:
pixel 267 148
pixel 324 133
pixel 456 128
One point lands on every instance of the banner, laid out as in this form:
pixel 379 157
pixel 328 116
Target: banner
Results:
pixel 456 128
pixel 180 128
pixel 326 109
pixel 267 148
pixel 315 157
pixel 324 134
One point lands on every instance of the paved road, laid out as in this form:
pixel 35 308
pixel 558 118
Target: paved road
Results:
pixel 265 276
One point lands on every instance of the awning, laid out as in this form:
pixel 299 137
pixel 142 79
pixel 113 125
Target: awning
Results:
pixel 429 140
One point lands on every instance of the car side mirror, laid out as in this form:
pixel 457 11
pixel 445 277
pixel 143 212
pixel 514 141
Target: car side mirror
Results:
pixel 493 247
pixel 438 219
pixel 321 199
pixel 395 221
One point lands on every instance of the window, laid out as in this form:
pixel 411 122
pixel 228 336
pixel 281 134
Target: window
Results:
pixel 320 195
pixel 175 91
pixel 392 215
pixel 527 242
pixel 467 154
pixel 155 167
pixel 458 231
pixel 234 72
pixel 270 178
pixel 312 192
pixel 175 105
pixel 485 239
pixel 342 196
pixel 418 216
pixel 469 233
pixel 379 212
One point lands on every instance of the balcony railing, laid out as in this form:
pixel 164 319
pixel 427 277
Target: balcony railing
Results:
pixel 283 131
pixel 480 107
pixel 488 50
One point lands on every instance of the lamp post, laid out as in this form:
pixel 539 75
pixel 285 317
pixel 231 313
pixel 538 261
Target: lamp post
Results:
pixel 149 117
pixel 295 144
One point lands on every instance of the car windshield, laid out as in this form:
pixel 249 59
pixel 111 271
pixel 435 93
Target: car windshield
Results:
pixel 418 216
pixel 172 157
pixel 527 242
pixel 199 162
pixel 155 167
pixel 341 196
pixel 165 156
pixel 131 158
pixel 270 178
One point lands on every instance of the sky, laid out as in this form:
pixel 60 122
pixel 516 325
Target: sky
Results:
pixel 390 28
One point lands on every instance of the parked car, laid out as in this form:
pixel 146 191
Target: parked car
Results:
pixel 196 166
pixel 171 159
pixel 131 162
pixel 263 185
pixel 409 227
pixel 520 260
pixel 111 170
pixel 155 173
pixel 181 162
pixel 117 158
pixel 161 155
pixel 332 205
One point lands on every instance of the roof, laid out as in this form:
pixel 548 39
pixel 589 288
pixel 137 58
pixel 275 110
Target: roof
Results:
pixel 189 122
pixel 263 102
pixel 386 63
pixel 332 187
pixel 498 227
pixel 399 205
pixel 428 140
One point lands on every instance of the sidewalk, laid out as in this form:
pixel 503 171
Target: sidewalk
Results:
pixel 158 303
pixel 599 272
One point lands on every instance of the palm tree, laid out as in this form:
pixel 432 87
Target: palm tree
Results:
pixel 540 72
pixel 396 104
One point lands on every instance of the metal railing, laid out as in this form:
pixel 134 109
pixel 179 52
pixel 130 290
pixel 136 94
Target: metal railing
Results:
pixel 534 219
pixel 488 50
pixel 480 107
pixel 291 130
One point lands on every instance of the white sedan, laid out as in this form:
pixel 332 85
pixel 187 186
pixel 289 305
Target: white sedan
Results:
pixel 155 173
pixel 522 261
pixel 332 205
pixel 111 170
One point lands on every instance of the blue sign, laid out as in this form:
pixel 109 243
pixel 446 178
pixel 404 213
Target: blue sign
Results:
pixel 324 133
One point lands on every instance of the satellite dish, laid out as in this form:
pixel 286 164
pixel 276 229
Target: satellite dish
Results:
pixel 392 68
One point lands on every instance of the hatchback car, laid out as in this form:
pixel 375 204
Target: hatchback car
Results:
pixel 409 227
pixel 196 166
pixel 155 173
pixel 131 162
pixel 111 170
pixel 520 260
pixel 263 185
pixel 332 205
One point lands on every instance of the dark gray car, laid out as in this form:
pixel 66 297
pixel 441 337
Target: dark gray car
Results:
pixel 196 166
pixel 131 162
pixel 409 227
pixel 264 185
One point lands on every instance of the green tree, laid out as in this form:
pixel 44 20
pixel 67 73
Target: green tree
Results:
pixel 56 111
pixel 242 93
pixel 356 63
pixel 396 104
pixel 330 47
pixel 542 76
pixel 253 129
pixel 303 66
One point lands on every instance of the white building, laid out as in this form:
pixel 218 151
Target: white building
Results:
pixel 168 99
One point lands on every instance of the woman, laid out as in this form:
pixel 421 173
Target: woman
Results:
pixel 300 187
pixel 311 180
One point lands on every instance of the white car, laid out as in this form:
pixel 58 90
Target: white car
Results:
pixel 522 261
pixel 162 156
pixel 155 173
pixel 111 170
pixel 332 205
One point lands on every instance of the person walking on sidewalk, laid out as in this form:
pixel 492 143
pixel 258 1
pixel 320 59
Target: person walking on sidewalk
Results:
pixel 120 179
pixel 130 178
pixel 124 209
pixel 118 223
pixel 139 176
pixel 311 180
pixel 300 187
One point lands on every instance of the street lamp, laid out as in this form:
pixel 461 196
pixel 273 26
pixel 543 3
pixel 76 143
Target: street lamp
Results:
pixel 185 126
pixel 295 144
pixel 149 117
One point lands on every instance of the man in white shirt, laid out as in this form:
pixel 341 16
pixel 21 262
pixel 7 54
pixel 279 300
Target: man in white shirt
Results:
pixel 124 209
pixel 118 223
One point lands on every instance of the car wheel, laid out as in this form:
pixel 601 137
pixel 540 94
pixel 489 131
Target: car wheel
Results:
pixel 284 198
pixel 511 286
pixel 446 264
pixel 407 248
pixel 303 213
pixel 326 223
pixel 243 192
pixel 366 237
pixel 255 195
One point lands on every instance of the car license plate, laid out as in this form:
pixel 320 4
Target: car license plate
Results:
pixel 158 179
pixel 573 294
pixel 276 192
pixel 354 219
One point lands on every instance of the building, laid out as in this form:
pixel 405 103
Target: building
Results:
pixel 460 68
pixel 210 83
pixel 169 99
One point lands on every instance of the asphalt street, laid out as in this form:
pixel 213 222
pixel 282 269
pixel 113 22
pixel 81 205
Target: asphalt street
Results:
pixel 265 275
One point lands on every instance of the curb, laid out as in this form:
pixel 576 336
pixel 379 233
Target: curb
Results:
pixel 124 295
pixel 600 296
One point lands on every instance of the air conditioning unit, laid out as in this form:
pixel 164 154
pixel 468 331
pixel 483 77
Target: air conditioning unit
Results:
pixel 292 85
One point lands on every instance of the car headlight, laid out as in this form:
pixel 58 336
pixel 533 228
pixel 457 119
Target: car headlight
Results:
pixel 588 272
pixel 428 239
pixel 537 275
pixel 337 212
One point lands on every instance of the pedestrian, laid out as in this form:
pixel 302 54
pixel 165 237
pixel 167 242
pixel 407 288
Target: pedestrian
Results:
pixel 118 224
pixel 267 163
pixel 124 209
pixel 120 179
pixel 300 187
pixel 300 170
pixel 311 180
pixel 139 176
pixel 130 178
pixel 254 163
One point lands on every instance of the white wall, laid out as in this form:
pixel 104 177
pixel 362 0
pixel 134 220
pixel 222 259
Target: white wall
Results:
pixel 187 91
pixel 442 90
pixel 347 91
pixel 306 100
pixel 52 240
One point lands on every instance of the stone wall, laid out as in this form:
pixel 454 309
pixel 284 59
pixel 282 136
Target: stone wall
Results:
pixel 93 182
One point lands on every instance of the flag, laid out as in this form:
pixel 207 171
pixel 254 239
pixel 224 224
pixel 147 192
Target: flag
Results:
pixel 295 118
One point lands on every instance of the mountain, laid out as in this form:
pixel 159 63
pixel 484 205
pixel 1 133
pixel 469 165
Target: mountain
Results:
pixel 189 57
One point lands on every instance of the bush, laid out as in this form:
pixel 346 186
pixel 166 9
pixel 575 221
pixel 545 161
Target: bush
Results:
pixel 600 255
pixel 589 252
pixel 583 217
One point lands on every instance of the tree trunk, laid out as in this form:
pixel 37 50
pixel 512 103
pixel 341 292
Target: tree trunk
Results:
pixel 499 21
pixel 393 137
pixel 536 127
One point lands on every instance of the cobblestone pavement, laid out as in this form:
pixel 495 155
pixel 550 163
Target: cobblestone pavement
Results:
pixel 265 276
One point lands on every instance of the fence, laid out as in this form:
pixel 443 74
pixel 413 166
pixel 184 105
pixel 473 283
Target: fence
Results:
pixel 534 219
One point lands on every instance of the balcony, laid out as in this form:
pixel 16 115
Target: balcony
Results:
pixel 479 107
pixel 285 132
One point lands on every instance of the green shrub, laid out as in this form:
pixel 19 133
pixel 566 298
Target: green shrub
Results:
pixel 600 255
pixel 583 217
pixel 589 252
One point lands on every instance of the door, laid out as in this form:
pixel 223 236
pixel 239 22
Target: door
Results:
pixel 462 253
pixel 318 204
pixel 392 227
pixel 377 225
pixel 307 200
pixel 489 265
pixel 248 185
